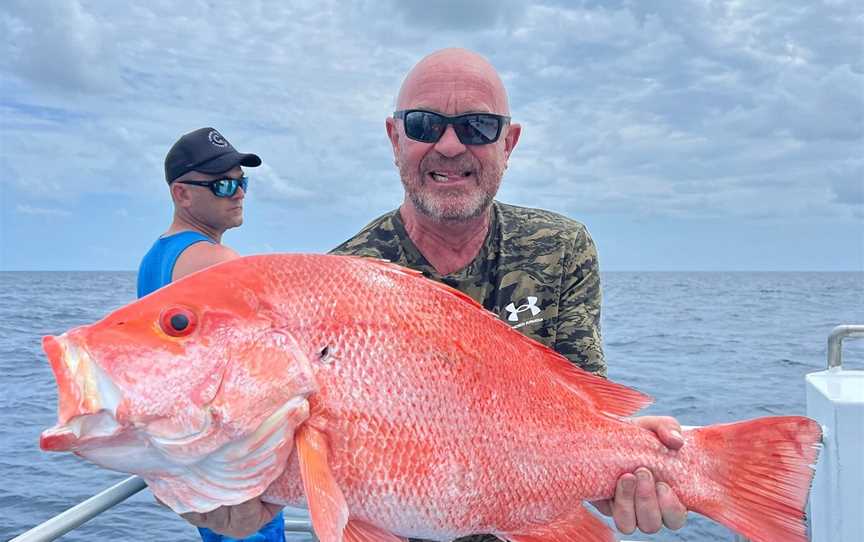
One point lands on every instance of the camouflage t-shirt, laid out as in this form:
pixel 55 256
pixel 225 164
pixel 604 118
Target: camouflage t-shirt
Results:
pixel 537 270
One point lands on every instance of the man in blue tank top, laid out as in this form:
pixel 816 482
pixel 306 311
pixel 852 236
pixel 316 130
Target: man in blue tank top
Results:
pixel 207 185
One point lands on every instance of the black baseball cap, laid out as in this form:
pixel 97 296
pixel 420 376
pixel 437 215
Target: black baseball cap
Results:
pixel 207 151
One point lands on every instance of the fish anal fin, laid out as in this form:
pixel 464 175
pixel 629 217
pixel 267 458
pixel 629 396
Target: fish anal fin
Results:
pixel 327 506
pixel 579 524
pixel 360 531
pixel 605 395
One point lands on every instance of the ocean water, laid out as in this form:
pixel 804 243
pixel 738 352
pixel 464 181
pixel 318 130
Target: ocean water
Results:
pixel 709 347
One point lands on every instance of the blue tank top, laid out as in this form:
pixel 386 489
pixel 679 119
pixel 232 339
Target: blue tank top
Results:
pixel 158 264
pixel 155 271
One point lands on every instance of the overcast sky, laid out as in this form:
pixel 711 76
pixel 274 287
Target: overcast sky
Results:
pixel 687 135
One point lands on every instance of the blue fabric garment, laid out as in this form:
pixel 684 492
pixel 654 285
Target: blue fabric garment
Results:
pixel 155 271
pixel 158 264
pixel 272 532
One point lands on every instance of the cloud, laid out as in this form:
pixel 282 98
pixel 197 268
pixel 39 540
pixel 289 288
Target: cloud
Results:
pixel 683 109
pixel 455 15
pixel 41 211
pixel 686 108
pixel 847 184
pixel 60 45
pixel 280 189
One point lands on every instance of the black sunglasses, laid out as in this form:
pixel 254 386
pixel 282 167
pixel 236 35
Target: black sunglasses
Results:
pixel 222 188
pixel 471 128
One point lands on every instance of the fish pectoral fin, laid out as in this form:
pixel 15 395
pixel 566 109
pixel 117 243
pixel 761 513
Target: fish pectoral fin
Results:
pixel 360 531
pixel 579 524
pixel 327 506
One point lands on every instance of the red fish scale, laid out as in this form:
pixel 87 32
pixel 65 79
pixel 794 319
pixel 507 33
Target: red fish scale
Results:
pixel 432 417
pixel 489 444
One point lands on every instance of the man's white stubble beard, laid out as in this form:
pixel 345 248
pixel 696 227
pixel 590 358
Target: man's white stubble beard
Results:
pixel 437 208
pixel 444 209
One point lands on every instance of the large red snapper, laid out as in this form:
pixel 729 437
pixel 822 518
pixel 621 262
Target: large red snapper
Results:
pixel 391 406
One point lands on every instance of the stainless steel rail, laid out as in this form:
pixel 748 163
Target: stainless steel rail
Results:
pixel 835 343
pixel 83 512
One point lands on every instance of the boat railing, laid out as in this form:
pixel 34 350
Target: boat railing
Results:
pixel 85 511
pixel 835 343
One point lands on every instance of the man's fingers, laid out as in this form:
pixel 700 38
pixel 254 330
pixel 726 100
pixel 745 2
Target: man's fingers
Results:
pixel 670 434
pixel 194 518
pixel 237 521
pixel 249 517
pixel 648 516
pixel 209 520
pixel 246 512
pixel 674 513
pixel 622 508
pixel 667 429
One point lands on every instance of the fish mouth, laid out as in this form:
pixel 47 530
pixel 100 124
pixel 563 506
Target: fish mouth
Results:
pixel 86 398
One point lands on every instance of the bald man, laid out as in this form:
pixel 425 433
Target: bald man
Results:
pixel 452 136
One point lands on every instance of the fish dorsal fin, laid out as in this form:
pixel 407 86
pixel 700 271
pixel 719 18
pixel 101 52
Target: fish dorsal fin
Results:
pixel 360 531
pixel 327 506
pixel 580 524
pixel 607 396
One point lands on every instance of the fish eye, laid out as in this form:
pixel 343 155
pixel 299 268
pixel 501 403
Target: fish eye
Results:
pixel 177 321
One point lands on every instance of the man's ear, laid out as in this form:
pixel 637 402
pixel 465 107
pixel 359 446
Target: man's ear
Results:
pixel 179 194
pixel 514 130
pixel 393 136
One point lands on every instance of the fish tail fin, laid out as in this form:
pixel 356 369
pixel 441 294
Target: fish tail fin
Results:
pixel 763 470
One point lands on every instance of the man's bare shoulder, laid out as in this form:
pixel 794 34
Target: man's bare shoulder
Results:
pixel 201 255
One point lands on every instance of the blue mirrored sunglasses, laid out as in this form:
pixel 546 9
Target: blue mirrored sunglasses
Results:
pixel 222 188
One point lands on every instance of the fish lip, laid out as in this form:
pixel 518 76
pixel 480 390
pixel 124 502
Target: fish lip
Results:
pixel 70 400
pixel 59 438
pixel 85 395
pixel 80 432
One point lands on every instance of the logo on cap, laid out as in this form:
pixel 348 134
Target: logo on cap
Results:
pixel 217 139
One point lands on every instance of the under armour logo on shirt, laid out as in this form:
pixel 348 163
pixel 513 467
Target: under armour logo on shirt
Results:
pixel 530 306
